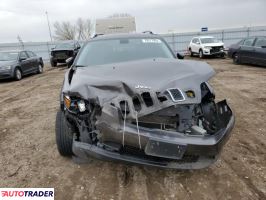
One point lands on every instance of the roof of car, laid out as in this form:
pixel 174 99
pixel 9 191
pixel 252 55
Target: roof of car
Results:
pixel 126 35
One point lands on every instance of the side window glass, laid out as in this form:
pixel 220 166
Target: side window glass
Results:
pixel 30 54
pixel 248 42
pixel 260 42
pixel 23 55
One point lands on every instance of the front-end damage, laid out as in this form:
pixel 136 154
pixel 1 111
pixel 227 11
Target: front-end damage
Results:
pixel 158 125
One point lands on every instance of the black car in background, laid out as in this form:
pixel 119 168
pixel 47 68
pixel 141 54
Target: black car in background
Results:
pixel 16 64
pixel 63 51
pixel 250 50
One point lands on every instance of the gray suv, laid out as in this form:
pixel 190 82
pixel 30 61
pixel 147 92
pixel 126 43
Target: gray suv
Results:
pixel 15 64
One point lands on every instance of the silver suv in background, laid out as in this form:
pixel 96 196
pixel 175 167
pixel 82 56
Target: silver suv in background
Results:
pixel 206 46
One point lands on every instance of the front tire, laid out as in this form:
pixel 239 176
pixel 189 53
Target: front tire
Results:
pixel 40 69
pixel 201 55
pixel 53 63
pixel 64 136
pixel 17 74
pixel 191 53
pixel 236 59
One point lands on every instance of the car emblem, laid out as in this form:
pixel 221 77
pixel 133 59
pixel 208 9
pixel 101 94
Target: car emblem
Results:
pixel 142 87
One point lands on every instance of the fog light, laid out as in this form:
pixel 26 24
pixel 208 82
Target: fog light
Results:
pixel 81 106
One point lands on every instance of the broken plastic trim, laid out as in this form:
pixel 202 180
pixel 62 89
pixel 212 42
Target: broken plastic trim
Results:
pixel 147 99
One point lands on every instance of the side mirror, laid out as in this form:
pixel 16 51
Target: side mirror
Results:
pixel 69 61
pixel 197 42
pixel 22 58
pixel 180 56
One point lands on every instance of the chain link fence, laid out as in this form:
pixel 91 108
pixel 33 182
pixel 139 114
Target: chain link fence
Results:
pixel 177 41
pixel 180 41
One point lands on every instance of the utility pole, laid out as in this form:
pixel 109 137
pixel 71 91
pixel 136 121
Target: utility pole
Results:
pixel 21 42
pixel 49 26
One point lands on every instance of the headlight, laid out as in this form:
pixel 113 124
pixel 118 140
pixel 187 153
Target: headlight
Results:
pixel 6 67
pixel 207 47
pixel 81 106
pixel 74 105
pixel 67 101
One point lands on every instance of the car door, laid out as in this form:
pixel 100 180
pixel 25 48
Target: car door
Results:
pixel 197 45
pixel 247 51
pixel 194 45
pixel 33 61
pixel 24 62
pixel 260 50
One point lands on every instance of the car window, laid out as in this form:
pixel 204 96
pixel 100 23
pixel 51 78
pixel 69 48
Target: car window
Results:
pixel 240 42
pixel 209 40
pixel 77 45
pixel 23 55
pixel 260 42
pixel 248 42
pixel 31 54
pixel 196 40
pixel 122 50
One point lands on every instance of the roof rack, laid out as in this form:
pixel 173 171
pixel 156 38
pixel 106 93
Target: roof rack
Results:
pixel 149 32
pixel 98 34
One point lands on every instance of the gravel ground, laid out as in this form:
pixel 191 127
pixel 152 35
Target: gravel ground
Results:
pixel 29 157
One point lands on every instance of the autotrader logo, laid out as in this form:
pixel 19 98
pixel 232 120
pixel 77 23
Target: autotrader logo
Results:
pixel 27 193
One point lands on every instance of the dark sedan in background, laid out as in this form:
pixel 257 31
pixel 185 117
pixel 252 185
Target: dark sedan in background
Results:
pixel 15 64
pixel 63 51
pixel 250 50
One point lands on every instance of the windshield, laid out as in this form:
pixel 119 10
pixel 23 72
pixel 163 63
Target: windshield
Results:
pixel 208 40
pixel 121 50
pixel 8 56
pixel 65 45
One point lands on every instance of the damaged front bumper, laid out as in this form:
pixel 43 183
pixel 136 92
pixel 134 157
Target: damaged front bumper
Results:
pixel 156 147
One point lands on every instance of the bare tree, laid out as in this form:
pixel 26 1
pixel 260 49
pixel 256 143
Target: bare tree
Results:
pixel 83 29
pixel 65 31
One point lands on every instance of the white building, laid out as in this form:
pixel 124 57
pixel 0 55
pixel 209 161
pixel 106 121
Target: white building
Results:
pixel 121 24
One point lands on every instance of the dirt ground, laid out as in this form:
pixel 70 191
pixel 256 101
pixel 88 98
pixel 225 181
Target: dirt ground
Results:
pixel 29 158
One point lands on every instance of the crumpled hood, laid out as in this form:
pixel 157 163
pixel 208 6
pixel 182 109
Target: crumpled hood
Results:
pixel 121 80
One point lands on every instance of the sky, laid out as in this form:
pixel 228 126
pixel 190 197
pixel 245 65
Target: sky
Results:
pixel 27 17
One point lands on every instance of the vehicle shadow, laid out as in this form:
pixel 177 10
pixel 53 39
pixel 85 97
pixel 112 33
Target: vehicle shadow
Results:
pixel 25 77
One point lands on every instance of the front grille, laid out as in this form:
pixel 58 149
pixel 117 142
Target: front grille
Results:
pixel 216 49
pixel 176 94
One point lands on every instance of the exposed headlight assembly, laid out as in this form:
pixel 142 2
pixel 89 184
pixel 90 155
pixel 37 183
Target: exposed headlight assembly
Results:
pixel 74 105
pixel 81 106
pixel 207 47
